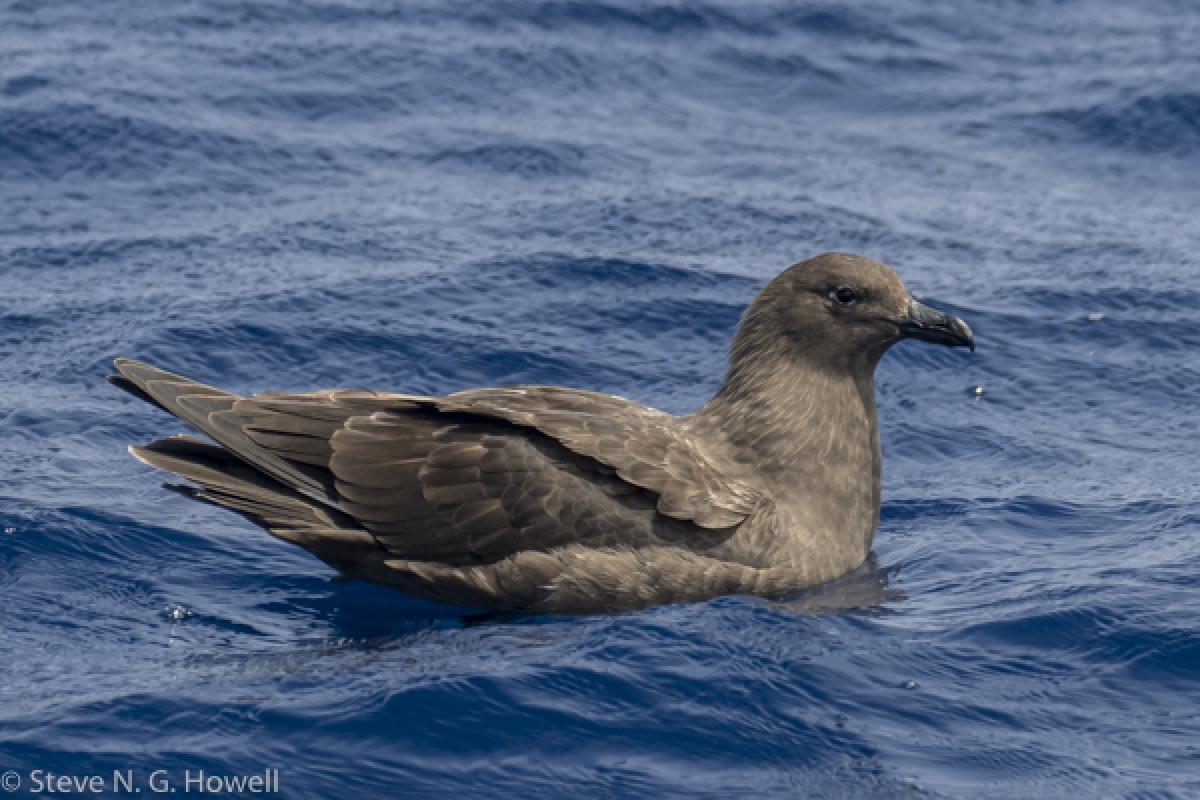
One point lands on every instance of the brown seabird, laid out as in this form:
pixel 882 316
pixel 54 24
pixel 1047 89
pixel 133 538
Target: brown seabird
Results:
pixel 548 499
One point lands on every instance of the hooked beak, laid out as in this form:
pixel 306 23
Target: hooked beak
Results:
pixel 931 325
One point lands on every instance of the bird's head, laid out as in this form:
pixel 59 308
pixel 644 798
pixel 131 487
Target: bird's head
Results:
pixel 842 309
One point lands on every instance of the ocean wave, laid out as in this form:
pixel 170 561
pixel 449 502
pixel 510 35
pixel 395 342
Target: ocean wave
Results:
pixel 1166 123
pixel 65 141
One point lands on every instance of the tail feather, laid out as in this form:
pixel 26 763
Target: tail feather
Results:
pixel 209 410
pixel 227 481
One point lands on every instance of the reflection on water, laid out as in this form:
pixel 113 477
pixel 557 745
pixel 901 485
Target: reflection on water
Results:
pixel 864 588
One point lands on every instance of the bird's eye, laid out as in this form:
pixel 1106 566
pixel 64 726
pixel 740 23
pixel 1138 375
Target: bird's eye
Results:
pixel 844 295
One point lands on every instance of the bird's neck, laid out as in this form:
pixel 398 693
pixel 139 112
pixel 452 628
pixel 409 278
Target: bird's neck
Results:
pixel 789 418
pixel 809 433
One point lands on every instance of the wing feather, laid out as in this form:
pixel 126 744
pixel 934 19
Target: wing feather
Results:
pixel 474 477
pixel 647 448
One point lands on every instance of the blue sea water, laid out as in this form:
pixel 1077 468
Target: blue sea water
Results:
pixel 428 196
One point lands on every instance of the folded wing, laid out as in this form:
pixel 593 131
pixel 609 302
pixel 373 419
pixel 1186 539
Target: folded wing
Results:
pixel 467 479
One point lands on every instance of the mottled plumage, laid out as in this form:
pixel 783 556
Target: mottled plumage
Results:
pixel 552 499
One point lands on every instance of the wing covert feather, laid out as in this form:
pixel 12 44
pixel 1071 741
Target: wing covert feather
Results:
pixel 646 447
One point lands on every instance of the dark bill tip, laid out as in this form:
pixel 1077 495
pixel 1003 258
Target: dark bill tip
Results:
pixel 931 325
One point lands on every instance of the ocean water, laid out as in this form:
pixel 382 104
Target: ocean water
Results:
pixel 430 196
